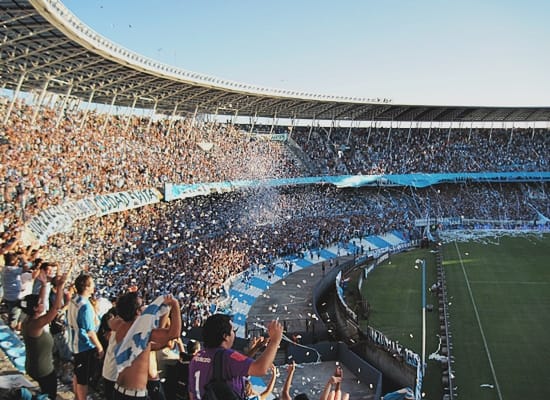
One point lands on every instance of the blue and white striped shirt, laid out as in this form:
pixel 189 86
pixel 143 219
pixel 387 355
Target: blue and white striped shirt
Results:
pixel 80 320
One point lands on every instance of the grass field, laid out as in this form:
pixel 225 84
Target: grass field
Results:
pixel 499 304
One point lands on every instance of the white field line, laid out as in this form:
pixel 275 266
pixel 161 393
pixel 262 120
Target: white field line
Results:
pixel 497 386
pixel 512 283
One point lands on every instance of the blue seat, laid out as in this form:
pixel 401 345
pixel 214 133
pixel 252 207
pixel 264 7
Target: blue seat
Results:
pixel 19 363
pixel 15 352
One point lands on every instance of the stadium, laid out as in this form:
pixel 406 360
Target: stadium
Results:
pixel 265 203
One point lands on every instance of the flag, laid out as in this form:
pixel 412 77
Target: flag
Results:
pixel 138 335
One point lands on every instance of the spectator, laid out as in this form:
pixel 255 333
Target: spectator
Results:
pixel 285 392
pixel 46 271
pixel 58 328
pixel 332 390
pixel 83 341
pixel 167 359
pixel 133 371
pixel 219 335
pixel 109 322
pixel 38 341
pixel 11 282
pixel 182 369
pixel 251 394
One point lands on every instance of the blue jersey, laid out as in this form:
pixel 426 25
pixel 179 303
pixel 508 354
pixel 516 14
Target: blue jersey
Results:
pixel 80 320
pixel 11 276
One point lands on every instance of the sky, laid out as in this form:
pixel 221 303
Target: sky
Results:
pixel 446 52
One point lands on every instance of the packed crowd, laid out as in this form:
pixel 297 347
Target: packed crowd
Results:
pixel 189 248
pixel 402 151
pixel 47 163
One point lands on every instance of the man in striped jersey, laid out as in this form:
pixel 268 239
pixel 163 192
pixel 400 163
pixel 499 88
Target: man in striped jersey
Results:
pixel 82 324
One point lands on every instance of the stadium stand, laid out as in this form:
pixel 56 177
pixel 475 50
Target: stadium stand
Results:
pixel 220 251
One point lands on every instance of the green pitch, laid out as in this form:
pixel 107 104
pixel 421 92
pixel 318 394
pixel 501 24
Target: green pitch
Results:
pixel 499 305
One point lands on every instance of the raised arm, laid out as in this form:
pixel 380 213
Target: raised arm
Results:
pixel 264 395
pixel 261 365
pixel 161 336
pixel 328 393
pixel 285 393
pixel 256 344
pixel 52 312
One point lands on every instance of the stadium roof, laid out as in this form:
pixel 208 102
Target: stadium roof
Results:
pixel 44 45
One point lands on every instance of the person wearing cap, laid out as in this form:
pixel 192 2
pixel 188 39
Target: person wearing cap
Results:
pixel 39 341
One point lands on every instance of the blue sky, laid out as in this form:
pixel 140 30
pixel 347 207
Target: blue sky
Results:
pixel 494 52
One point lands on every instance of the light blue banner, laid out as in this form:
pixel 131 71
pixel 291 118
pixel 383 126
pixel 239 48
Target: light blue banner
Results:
pixel 180 191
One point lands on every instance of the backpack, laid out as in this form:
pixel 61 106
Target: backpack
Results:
pixel 217 388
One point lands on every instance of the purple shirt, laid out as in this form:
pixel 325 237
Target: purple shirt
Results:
pixel 201 370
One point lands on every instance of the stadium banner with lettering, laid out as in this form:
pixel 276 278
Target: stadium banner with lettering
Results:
pixel 48 223
pixel 173 191
pixel 279 137
pixel 121 201
pixel 393 347
pixel 445 221
pixel 58 219
pixel 273 137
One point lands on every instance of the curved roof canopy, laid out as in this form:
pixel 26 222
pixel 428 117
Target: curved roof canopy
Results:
pixel 44 45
